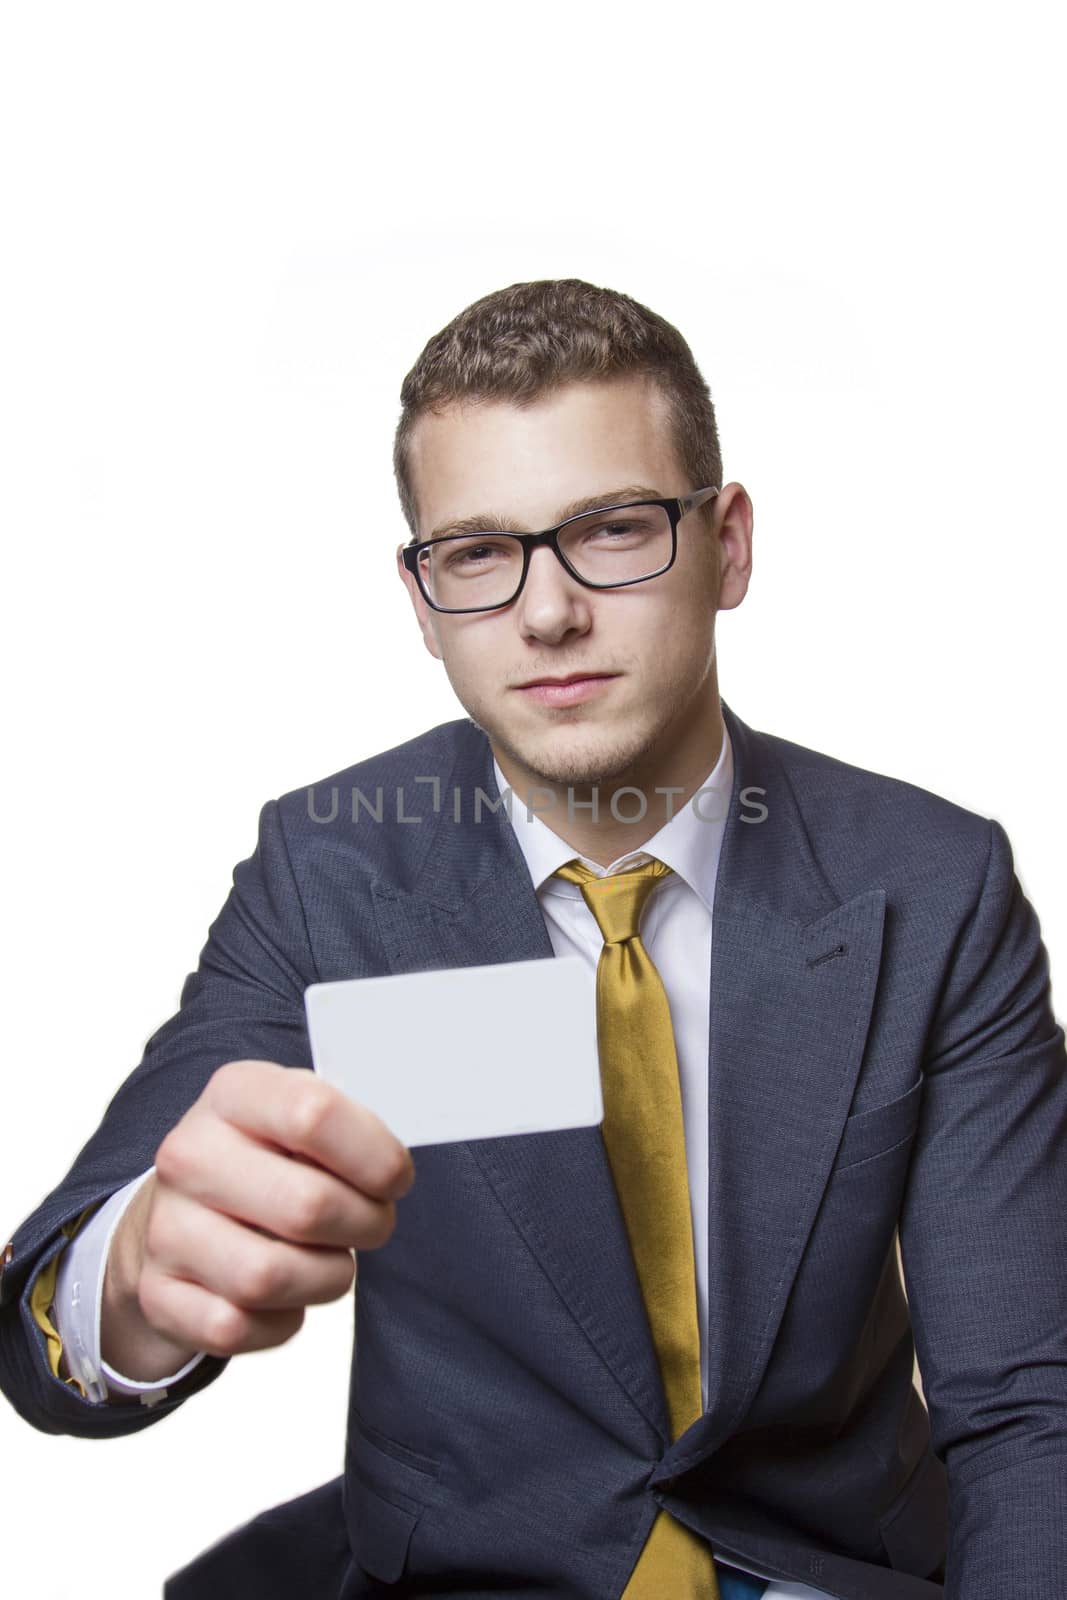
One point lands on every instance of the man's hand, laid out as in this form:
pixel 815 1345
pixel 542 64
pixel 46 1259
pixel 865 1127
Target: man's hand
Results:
pixel 260 1194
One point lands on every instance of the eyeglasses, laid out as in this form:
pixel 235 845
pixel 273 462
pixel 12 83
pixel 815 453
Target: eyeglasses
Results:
pixel 608 548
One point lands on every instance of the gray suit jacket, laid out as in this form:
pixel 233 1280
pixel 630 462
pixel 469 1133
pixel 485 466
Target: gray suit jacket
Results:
pixel 882 1056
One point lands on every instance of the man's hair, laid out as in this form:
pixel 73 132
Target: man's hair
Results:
pixel 519 344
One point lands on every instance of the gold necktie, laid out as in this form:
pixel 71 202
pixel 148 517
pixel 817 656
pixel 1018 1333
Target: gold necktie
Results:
pixel 645 1140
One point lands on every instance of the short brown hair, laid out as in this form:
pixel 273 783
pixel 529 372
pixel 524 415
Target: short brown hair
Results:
pixel 520 343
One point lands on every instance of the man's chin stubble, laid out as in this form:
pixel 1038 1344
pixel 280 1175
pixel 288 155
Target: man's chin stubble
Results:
pixel 578 770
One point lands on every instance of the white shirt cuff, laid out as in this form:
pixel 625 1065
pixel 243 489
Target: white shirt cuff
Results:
pixel 78 1300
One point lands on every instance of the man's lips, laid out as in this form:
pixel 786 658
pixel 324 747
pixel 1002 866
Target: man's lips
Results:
pixel 568 691
pixel 572 677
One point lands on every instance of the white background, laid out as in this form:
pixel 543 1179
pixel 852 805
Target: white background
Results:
pixel 228 229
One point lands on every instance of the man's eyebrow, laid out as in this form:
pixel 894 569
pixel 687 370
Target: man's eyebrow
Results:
pixel 485 522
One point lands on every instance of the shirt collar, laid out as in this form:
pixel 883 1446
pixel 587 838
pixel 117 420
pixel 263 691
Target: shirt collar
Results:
pixel 689 843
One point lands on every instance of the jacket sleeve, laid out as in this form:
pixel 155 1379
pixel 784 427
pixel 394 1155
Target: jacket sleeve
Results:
pixel 245 1000
pixel 984 1244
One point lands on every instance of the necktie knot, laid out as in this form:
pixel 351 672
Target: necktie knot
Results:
pixel 616 901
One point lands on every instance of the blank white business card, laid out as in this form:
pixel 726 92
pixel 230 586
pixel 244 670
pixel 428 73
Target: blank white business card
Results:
pixel 466 1053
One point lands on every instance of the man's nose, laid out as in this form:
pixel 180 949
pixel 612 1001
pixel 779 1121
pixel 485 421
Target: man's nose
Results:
pixel 552 603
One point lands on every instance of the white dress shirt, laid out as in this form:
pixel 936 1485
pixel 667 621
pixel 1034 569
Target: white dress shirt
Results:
pixel 676 930
pixel 79 1297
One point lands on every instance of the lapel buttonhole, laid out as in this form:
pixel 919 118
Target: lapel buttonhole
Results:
pixel 828 955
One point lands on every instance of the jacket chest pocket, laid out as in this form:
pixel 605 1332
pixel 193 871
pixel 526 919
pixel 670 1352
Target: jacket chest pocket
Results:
pixel 870 1134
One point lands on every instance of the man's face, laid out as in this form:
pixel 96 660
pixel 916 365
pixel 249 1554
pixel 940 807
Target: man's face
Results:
pixel 649 708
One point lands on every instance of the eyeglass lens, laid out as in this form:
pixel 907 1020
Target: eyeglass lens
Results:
pixel 605 548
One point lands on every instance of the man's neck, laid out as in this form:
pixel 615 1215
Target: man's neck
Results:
pixel 610 819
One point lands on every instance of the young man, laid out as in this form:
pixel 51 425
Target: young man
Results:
pixel 670 1357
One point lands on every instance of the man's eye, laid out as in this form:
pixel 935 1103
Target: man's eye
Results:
pixel 475 555
pixel 617 530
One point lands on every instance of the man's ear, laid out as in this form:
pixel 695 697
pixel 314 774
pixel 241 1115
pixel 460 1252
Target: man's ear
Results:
pixel 733 527
pixel 423 612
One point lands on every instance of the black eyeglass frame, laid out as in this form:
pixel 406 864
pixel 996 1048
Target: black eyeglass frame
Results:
pixel 676 508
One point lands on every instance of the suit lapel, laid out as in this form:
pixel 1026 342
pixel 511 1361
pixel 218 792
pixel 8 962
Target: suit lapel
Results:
pixel 472 904
pixel 793 976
